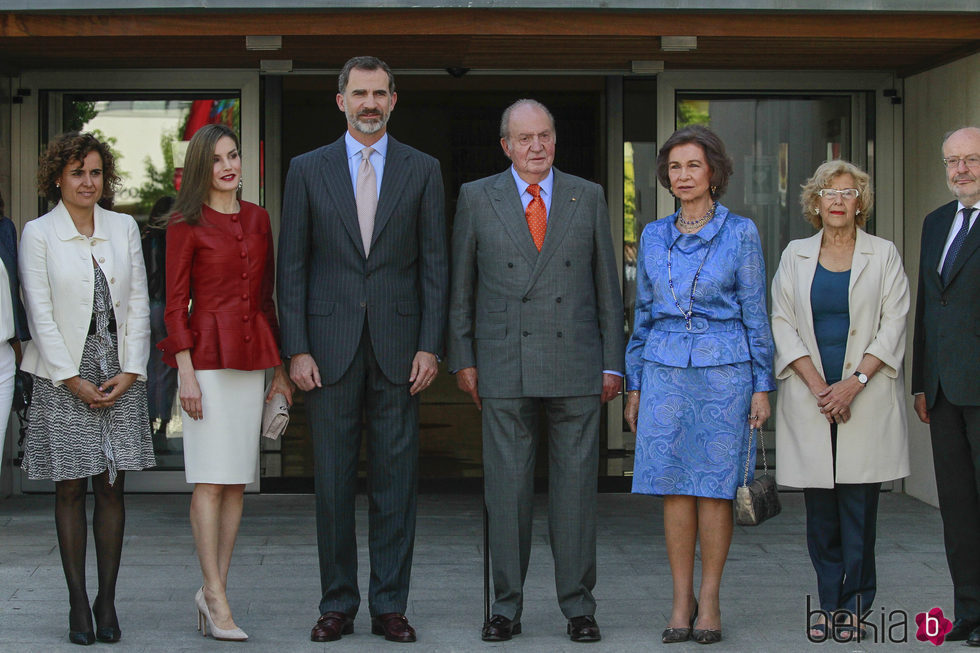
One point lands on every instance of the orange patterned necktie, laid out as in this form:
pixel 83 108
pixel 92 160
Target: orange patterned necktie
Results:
pixel 537 216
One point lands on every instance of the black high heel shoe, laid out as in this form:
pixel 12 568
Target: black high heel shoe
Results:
pixel 676 635
pixel 83 637
pixel 106 633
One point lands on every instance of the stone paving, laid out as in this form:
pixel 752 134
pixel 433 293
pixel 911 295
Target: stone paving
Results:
pixel 274 584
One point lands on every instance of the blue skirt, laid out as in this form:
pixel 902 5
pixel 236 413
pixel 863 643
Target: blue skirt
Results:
pixel 692 432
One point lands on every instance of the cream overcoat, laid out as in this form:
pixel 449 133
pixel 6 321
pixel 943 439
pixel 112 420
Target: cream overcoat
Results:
pixel 873 445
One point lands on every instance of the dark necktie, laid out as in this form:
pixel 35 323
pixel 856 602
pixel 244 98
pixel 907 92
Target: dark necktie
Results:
pixel 956 245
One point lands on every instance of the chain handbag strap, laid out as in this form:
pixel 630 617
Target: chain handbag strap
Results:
pixel 748 457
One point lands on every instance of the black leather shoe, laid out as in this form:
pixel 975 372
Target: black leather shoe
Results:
pixel 499 629
pixel 583 629
pixel 330 626
pixel 962 628
pixel 974 638
pixel 80 637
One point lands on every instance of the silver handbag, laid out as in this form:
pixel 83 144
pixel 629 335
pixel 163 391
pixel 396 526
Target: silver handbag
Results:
pixel 275 416
pixel 757 501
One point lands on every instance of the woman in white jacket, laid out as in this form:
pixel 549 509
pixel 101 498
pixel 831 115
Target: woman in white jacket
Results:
pixel 840 300
pixel 84 286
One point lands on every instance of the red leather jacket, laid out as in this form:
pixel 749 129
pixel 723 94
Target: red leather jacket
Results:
pixel 223 270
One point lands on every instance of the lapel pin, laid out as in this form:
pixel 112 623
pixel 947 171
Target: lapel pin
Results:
pixel 573 199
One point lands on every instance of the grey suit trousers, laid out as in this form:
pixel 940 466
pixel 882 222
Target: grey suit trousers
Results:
pixel 510 437
pixel 391 417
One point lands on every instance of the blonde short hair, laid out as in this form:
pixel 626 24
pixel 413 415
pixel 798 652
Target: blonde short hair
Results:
pixel 822 177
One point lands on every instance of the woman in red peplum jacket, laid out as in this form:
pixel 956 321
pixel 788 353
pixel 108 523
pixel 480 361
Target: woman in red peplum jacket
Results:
pixel 222 335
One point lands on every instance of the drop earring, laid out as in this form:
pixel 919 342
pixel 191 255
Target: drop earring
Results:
pixel 816 211
pixel 714 189
pixel 241 181
pixel 858 212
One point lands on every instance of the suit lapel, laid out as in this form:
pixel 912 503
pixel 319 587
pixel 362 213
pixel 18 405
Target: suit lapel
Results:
pixel 970 245
pixel 937 241
pixel 335 175
pixel 392 185
pixel 808 256
pixel 563 205
pixel 859 259
pixel 506 204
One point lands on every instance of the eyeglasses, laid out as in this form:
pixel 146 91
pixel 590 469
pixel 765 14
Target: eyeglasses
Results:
pixel 833 193
pixel 953 162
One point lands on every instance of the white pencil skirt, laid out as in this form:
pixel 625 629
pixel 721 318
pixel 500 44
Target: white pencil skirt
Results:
pixel 223 447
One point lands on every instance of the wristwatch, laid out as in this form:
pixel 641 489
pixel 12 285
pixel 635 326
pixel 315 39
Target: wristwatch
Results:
pixel 862 378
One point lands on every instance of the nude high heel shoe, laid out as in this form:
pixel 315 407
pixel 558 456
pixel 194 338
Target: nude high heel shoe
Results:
pixel 204 622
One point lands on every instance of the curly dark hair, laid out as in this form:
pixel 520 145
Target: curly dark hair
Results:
pixel 69 147
pixel 714 152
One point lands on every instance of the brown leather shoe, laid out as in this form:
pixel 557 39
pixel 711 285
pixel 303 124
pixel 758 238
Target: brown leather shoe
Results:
pixel 330 626
pixel 394 626
pixel 583 629
pixel 500 629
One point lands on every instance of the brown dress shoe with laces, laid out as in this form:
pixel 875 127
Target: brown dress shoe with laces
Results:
pixel 394 626
pixel 331 626
pixel 500 629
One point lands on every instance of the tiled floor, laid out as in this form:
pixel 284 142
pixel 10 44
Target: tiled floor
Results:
pixel 274 584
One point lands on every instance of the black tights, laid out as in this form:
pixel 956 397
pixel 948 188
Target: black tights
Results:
pixel 108 523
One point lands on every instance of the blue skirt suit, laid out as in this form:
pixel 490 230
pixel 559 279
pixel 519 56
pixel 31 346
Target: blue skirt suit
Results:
pixel 696 377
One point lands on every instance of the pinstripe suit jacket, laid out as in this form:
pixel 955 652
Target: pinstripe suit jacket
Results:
pixel 535 324
pixel 327 287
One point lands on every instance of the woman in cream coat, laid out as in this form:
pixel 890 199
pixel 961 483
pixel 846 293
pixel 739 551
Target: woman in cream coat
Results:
pixel 81 269
pixel 840 300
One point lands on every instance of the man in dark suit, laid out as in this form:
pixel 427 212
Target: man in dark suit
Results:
pixel 363 290
pixel 536 321
pixel 946 369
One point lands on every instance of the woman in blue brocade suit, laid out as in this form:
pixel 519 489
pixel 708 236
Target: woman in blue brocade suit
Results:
pixel 699 369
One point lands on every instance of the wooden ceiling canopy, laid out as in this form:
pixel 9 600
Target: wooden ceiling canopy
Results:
pixel 488 39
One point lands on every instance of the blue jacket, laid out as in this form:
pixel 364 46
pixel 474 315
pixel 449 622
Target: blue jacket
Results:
pixel 8 254
pixel 730 323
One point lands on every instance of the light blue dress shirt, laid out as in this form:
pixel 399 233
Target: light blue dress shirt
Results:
pixel 377 159
pixel 546 184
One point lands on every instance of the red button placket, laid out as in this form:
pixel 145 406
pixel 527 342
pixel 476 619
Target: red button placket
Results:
pixel 236 228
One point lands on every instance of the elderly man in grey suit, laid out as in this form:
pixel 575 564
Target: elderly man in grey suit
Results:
pixel 363 295
pixel 946 369
pixel 536 321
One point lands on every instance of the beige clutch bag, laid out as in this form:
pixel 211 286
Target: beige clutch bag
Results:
pixel 275 416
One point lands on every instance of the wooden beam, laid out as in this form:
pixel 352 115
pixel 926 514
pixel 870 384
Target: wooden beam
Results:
pixel 493 22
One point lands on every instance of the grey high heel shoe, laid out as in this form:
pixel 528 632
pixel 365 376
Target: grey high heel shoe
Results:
pixel 204 622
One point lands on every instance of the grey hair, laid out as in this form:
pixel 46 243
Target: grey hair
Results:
pixel 363 63
pixel 505 118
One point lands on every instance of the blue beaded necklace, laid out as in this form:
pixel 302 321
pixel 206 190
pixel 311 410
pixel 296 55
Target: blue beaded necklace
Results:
pixel 688 315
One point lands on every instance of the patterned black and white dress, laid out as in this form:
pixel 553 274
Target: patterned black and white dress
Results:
pixel 65 438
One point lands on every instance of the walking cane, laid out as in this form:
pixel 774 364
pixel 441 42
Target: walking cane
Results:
pixel 486 564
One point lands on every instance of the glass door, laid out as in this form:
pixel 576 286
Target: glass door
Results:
pixel 148 130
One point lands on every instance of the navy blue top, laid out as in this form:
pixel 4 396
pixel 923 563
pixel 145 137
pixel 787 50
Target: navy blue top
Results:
pixel 831 319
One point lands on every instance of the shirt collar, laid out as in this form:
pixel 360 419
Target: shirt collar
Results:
pixel 65 226
pixel 354 148
pixel 960 206
pixel 707 232
pixel 546 184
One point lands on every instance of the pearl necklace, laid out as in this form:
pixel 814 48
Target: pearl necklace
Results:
pixel 694 225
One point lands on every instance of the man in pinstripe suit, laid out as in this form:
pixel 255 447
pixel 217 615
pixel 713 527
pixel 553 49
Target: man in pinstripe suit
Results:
pixel 363 291
pixel 536 322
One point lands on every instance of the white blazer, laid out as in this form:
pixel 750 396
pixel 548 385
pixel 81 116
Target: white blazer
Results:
pixel 873 445
pixel 58 283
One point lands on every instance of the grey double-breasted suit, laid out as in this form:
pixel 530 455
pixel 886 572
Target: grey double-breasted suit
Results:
pixel 363 318
pixel 540 328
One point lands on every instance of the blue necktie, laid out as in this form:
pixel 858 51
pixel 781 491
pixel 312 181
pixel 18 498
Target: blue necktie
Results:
pixel 954 247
